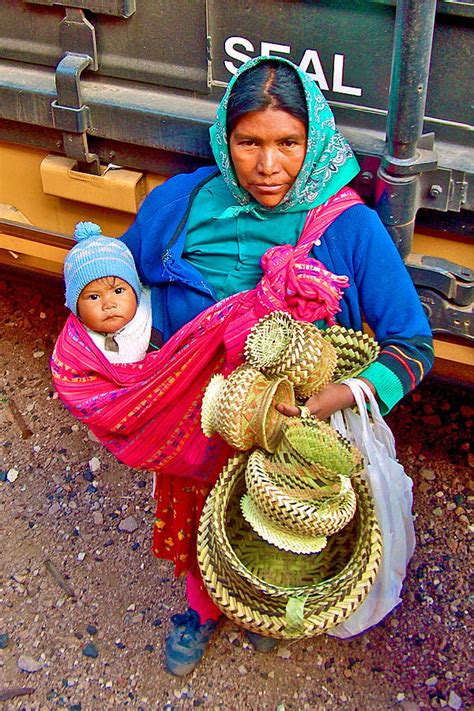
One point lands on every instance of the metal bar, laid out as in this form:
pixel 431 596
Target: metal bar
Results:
pixel 28 232
pixel 398 187
pixel 414 27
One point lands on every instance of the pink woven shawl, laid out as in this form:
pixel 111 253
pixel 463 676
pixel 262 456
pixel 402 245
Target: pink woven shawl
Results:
pixel 148 414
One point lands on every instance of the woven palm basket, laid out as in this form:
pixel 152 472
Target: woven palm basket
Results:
pixel 276 593
pixel 320 511
pixel 318 447
pixel 355 351
pixel 279 346
pixel 242 408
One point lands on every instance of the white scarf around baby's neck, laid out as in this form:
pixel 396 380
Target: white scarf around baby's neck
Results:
pixel 132 340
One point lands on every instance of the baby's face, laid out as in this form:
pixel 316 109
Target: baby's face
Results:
pixel 107 305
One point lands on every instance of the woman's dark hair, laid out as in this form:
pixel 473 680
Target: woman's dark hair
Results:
pixel 269 84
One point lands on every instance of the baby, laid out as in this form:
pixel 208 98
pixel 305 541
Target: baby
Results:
pixel 103 290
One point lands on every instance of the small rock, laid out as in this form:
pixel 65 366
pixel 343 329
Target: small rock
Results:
pixel 90 650
pixel 128 525
pixel 132 607
pixel 4 640
pixel 28 664
pixel 400 697
pixel 454 701
pixel 242 670
pixel 98 518
pixel 54 509
pixel 12 475
pixel 38 354
pixel 424 487
pixel 81 556
pixel 428 474
pixel 432 681
pixel 94 465
pixel 181 693
pixel 284 653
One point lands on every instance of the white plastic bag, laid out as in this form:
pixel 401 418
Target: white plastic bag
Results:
pixel 391 489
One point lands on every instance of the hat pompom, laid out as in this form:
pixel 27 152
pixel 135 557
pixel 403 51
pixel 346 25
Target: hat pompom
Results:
pixel 84 230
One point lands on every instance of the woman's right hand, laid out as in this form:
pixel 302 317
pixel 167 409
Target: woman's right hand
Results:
pixel 333 397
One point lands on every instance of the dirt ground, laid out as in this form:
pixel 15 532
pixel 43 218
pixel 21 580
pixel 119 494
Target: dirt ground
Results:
pixel 64 500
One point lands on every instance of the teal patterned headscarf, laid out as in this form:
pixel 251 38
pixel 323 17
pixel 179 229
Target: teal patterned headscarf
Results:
pixel 328 166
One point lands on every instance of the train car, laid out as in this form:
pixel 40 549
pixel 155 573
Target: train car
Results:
pixel 101 100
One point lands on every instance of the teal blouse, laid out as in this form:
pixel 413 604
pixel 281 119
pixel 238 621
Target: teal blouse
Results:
pixel 227 252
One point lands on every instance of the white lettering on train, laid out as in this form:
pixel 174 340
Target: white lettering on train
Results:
pixel 309 62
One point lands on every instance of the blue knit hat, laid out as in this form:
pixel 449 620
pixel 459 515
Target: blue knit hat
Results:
pixel 95 257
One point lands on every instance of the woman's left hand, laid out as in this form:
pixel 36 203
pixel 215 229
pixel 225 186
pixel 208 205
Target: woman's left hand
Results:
pixel 333 397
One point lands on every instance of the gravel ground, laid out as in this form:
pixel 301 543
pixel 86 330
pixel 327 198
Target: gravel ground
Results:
pixel 65 504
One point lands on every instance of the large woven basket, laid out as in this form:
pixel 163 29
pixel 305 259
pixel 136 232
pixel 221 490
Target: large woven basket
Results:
pixel 242 408
pixel 274 592
pixel 279 346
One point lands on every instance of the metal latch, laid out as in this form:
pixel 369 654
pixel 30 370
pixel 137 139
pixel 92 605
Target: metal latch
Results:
pixel 70 115
pixel 446 318
pixel 454 281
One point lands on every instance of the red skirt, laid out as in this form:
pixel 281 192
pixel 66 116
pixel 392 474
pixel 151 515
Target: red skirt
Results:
pixel 179 505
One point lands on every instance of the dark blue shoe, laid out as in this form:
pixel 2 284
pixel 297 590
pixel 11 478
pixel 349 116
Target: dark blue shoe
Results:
pixel 261 643
pixel 187 642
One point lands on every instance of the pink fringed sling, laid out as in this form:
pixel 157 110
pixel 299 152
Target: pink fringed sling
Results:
pixel 148 414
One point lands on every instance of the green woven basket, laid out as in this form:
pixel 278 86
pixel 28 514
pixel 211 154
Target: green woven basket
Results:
pixel 274 592
pixel 355 351
pixel 318 447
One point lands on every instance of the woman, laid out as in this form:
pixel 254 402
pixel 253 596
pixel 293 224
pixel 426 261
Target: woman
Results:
pixel 274 226
pixel 199 238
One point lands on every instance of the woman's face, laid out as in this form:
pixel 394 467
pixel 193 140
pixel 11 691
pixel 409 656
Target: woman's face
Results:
pixel 267 150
